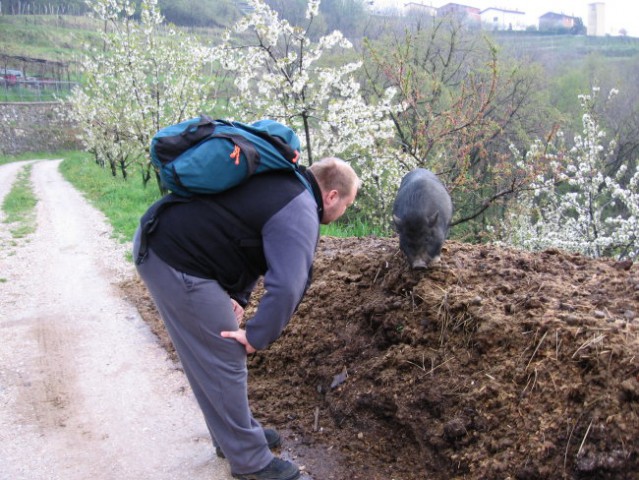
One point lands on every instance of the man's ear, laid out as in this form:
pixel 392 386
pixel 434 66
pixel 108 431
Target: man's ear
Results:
pixel 331 197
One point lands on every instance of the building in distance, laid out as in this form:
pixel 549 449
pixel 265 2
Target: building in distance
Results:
pixel 499 19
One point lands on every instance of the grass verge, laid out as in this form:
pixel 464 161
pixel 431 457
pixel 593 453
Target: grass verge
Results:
pixel 19 205
pixel 356 228
pixel 122 201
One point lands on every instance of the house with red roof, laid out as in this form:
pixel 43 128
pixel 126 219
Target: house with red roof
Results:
pixel 556 22
pixel 463 13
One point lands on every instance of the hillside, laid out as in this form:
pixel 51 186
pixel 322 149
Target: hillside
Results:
pixel 48 37
pixel 60 38
pixel 48 51
pixel 566 51
pixel 64 38
pixel 496 364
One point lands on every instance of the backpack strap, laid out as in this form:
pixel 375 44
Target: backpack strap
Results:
pixel 169 147
pixel 150 219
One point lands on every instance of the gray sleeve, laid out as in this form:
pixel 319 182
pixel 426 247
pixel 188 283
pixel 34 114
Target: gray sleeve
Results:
pixel 289 240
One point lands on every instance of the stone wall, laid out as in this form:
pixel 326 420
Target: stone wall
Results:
pixel 36 127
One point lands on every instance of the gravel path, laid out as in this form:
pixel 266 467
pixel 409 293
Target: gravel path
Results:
pixel 85 390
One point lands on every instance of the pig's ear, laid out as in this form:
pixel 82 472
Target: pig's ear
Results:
pixel 397 221
pixel 433 220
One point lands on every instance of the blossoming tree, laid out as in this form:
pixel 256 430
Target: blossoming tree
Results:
pixel 281 74
pixel 465 101
pixel 141 80
pixel 575 205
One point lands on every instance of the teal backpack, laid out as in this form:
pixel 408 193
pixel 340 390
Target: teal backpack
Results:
pixel 204 156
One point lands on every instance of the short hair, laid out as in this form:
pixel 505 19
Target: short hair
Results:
pixel 333 173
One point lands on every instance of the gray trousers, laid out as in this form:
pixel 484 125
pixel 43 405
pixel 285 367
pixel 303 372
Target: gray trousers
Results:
pixel 195 311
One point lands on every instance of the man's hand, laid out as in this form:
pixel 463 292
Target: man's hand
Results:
pixel 240 336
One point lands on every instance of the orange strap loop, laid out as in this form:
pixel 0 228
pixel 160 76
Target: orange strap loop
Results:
pixel 236 154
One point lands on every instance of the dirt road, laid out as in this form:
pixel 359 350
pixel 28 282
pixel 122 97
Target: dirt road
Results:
pixel 85 390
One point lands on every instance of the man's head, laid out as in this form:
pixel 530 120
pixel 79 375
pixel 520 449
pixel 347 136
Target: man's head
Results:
pixel 339 184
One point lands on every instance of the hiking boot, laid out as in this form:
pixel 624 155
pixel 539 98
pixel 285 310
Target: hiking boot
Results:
pixel 273 440
pixel 278 469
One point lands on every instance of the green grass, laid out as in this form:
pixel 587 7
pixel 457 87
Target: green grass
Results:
pixel 354 229
pixel 19 205
pixel 21 94
pixel 51 37
pixel 122 201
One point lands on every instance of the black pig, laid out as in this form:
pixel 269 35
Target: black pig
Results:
pixel 421 214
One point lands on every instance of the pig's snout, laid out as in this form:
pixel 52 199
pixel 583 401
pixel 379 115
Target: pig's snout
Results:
pixel 423 263
pixel 419 264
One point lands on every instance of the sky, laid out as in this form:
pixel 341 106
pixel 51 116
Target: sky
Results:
pixel 618 13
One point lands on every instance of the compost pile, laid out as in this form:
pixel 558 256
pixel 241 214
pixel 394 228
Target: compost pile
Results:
pixel 494 364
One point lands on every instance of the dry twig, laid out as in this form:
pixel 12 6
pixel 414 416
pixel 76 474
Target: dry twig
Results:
pixel 585 436
pixel 536 349
pixel 588 343
pixel 316 420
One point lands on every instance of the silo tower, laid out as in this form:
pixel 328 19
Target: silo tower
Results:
pixel 596 19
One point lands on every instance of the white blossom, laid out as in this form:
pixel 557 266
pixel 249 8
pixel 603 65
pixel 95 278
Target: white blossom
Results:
pixel 143 80
pixel 281 75
pixel 576 206
pixel 312 9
